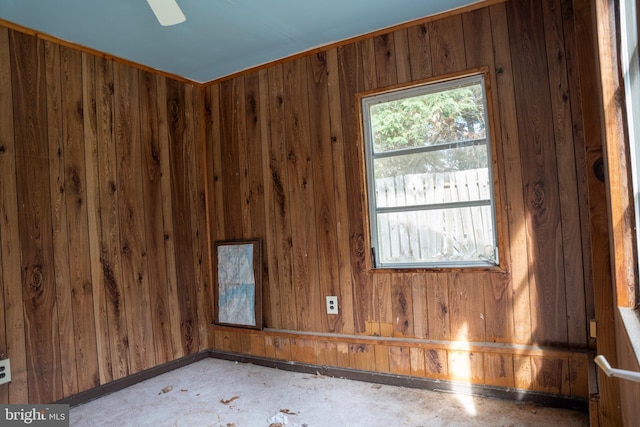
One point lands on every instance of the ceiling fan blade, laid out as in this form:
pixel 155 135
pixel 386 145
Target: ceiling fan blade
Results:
pixel 167 12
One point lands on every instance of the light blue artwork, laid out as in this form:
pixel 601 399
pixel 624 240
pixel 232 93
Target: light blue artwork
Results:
pixel 236 285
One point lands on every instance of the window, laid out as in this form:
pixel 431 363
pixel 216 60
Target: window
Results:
pixel 429 178
pixel 630 63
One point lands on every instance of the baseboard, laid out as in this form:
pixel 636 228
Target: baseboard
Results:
pixel 128 381
pixel 542 399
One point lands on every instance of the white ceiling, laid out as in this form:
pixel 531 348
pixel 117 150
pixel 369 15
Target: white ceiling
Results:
pixel 219 37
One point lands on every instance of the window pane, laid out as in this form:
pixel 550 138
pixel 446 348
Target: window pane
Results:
pixel 454 114
pixel 437 236
pixel 451 159
pixel 433 188
pixel 429 177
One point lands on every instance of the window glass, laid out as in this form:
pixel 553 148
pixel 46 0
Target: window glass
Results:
pixel 630 61
pixel 429 177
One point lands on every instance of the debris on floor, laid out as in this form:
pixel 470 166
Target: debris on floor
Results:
pixel 227 401
pixel 228 394
pixel 281 420
pixel 278 420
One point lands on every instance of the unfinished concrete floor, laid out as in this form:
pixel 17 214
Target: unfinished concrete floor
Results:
pixel 214 392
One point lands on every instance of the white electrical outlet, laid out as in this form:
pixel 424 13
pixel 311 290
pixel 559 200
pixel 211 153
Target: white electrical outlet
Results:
pixel 332 305
pixel 5 371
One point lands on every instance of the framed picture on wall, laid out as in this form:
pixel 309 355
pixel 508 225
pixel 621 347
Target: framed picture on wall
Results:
pixel 238 283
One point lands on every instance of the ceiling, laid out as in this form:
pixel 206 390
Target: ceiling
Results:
pixel 219 37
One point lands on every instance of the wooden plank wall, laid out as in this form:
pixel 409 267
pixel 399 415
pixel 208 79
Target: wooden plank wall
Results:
pixel 103 229
pixel 285 156
pixel 107 173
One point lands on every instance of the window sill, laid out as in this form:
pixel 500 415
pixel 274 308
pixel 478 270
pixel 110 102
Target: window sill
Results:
pixel 630 321
pixel 468 270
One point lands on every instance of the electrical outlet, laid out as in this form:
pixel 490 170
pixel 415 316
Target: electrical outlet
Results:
pixel 332 305
pixel 5 371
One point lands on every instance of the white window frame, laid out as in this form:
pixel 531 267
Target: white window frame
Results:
pixel 430 87
pixel 630 61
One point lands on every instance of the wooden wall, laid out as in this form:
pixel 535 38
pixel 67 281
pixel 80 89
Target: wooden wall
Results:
pixel 285 156
pixel 108 172
pixel 103 232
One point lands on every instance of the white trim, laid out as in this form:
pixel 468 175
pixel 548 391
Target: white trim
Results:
pixel 630 61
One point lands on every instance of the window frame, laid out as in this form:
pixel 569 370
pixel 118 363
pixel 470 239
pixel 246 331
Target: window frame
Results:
pixel 630 69
pixel 373 97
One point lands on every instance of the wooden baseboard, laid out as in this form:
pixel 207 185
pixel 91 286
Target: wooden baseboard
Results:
pixel 547 371
pixel 543 399
pixel 128 381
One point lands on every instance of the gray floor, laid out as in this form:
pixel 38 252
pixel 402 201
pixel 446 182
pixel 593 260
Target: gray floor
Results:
pixel 220 393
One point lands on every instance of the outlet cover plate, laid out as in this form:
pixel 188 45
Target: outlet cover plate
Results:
pixel 5 371
pixel 332 305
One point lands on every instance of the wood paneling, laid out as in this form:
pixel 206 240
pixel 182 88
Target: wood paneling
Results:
pixel 151 166
pixel 323 174
pixel 351 81
pixel 301 196
pixel 90 112
pixel 76 237
pixel 532 368
pixel 104 230
pixel 182 149
pixel 115 181
pixel 59 219
pixel 539 173
pixel 506 131
pixel 35 224
pixel 14 344
pixel 314 206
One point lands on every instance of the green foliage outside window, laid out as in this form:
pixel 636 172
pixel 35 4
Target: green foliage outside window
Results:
pixel 431 119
